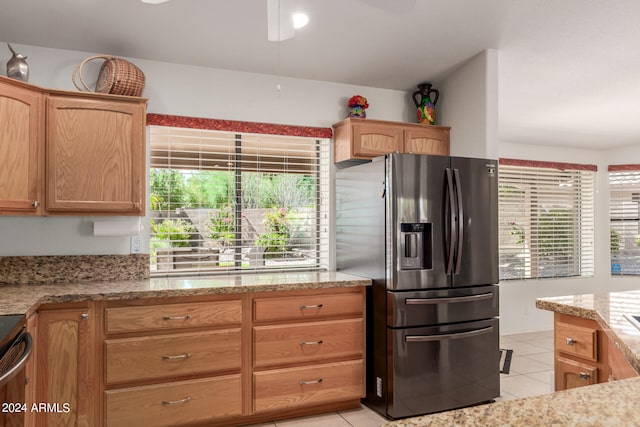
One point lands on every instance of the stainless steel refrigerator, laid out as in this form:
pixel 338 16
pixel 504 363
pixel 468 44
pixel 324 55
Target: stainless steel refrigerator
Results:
pixel 425 229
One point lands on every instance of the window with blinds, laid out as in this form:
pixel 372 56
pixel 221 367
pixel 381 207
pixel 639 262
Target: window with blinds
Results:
pixel 546 219
pixel 227 201
pixel 624 215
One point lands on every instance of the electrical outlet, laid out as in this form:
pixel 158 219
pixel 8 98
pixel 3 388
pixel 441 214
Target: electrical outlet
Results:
pixel 136 244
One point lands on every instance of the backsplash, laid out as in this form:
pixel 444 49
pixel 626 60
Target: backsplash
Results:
pixel 38 270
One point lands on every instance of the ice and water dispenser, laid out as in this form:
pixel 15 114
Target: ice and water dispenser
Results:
pixel 415 246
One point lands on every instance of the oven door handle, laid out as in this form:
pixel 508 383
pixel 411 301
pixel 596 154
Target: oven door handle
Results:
pixel 453 336
pixel 423 301
pixel 19 364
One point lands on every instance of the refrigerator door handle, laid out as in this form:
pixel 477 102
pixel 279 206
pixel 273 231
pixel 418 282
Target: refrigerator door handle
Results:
pixel 453 336
pixel 460 233
pixel 451 238
pixel 467 298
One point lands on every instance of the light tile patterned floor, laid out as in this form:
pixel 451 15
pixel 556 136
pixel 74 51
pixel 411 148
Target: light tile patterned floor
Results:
pixel 531 374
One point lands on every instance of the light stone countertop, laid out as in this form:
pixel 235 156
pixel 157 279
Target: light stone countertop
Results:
pixel 612 404
pixel 24 299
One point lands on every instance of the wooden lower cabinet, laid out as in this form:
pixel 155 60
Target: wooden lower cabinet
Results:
pixel 176 403
pixel 220 360
pixel 585 355
pixel 308 350
pixel 65 360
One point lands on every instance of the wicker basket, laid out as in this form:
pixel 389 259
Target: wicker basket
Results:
pixel 117 76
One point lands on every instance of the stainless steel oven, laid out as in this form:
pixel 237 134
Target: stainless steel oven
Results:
pixel 15 347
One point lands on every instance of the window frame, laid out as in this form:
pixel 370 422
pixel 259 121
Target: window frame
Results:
pixel 624 180
pixel 317 139
pixel 546 188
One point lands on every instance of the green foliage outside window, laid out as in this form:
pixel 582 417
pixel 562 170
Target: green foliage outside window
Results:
pixel 277 237
pixel 556 235
pixel 222 225
pixel 168 190
pixel 176 232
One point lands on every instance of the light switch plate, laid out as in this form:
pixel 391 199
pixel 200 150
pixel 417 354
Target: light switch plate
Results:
pixel 136 244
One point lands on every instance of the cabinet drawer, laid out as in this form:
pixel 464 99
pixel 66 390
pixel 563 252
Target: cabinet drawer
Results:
pixel 172 316
pixel 576 340
pixel 307 307
pixel 178 403
pixel 131 359
pixel 307 341
pixel 294 387
pixel 571 374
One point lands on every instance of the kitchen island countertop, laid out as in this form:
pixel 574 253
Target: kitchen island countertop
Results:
pixel 612 404
pixel 24 299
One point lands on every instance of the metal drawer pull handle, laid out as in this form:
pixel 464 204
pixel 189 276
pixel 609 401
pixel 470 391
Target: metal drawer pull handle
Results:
pixel 319 380
pixel 173 402
pixel 185 317
pixel 436 300
pixel 179 356
pixel 302 307
pixel 571 341
pixel 310 342
pixel 584 376
pixel 442 337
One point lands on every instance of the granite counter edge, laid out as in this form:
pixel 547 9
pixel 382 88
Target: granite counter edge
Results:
pixel 31 303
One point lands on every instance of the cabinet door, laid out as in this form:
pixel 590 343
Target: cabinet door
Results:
pixel 430 140
pixel 64 362
pixel 95 156
pixel 572 374
pixel 21 150
pixel 374 139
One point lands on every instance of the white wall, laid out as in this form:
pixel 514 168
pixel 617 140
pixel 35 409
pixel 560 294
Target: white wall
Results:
pixel 187 91
pixel 469 104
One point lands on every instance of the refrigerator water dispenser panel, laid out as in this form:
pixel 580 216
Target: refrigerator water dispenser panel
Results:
pixel 415 246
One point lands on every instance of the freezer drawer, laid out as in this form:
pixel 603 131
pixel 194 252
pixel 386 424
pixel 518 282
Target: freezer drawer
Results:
pixel 423 308
pixel 443 367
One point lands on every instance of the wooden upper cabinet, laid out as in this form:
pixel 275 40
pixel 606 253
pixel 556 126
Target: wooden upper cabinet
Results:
pixel 427 140
pixel 364 139
pixel 95 156
pixel 21 149
pixel 371 140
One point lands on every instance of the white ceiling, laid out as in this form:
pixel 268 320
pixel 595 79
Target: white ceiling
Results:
pixel 569 69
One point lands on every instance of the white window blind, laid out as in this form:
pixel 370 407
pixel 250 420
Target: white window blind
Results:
pixel 546 217
pixel 624 206
pixel 227 201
